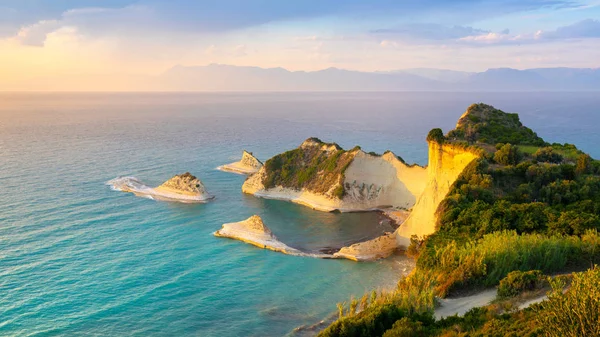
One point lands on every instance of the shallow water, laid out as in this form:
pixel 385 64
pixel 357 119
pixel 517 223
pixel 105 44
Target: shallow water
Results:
pixel 77 258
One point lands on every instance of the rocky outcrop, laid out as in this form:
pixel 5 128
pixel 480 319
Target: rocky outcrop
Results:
pixel 254 232
pixel 247 165
pixel 378 248
pixel 325 177
pixel 182 188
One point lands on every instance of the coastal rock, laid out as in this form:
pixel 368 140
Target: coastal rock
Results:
pixel 181 188
pixel 378 248
pixel 255 232
pixel 247 165
pixel 326 177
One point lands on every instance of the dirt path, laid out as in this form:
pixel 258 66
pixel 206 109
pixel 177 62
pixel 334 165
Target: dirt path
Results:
pixel 461 305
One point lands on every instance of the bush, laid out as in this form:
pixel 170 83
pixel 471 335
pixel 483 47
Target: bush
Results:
pixel 547 154
pixel 518 281
pixel 508 155
pixel 575 312
pixel 405 328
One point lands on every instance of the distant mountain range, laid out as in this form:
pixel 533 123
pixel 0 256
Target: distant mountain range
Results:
pixel 216 77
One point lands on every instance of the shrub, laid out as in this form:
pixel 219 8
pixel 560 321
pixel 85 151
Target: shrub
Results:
pixel 405 327
pixel 575 312
pixel 518 281
pixel 436 135
pixel 508 155
pixel 547 154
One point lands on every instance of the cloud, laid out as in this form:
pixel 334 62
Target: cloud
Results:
pixel 580 30
pixel 428 31
pixel 224 15
pixel 35 35
pixel 589 28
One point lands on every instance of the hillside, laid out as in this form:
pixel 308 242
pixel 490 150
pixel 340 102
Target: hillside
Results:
pixel 521 206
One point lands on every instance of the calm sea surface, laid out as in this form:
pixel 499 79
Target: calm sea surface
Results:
pixel 79 259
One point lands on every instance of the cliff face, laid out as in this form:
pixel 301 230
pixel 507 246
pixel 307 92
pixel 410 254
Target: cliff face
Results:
pixel 249 161
pixel 325 177
pixel 446 163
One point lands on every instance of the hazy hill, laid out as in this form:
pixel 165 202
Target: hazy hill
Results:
pixel 217 77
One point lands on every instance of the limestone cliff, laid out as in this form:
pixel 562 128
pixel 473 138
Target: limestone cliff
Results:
pixel 326 177
pixel 247 165
pixel 446 163
pixel 182 188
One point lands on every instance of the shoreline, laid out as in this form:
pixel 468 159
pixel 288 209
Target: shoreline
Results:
pixel 254 232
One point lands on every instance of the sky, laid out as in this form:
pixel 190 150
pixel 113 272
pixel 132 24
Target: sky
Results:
pixel 81 42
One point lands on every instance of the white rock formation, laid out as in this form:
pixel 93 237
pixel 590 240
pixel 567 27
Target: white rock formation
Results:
pixel 184 188
pixel 247 165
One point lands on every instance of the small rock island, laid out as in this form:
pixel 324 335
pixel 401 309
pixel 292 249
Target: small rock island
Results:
pixel 247 165
pixel 254 232
pixel 184 188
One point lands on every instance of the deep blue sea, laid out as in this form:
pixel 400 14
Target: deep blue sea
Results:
pixel 77 258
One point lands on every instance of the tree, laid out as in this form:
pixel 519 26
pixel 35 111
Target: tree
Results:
pixel 584 163
pixel 508 155
pixel 436 135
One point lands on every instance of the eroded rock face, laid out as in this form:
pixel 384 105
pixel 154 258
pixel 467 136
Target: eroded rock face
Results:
pixel 250 161
pixel 186 183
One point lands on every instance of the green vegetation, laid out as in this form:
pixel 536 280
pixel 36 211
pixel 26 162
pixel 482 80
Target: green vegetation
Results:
pixel 507 154
pixel 436 135
pixel 547 154
pixel 313 167
pixel 485 124
pixel 518 281
pixel 524 209
pixel 575 312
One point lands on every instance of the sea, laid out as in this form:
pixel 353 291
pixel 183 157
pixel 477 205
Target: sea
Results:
pixel 79 259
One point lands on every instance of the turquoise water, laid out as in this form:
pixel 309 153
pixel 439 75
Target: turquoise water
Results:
pixel 79 259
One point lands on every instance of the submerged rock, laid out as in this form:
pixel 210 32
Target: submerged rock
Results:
pixel 247 165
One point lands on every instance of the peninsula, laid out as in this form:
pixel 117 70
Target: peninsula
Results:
pixel 185 188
